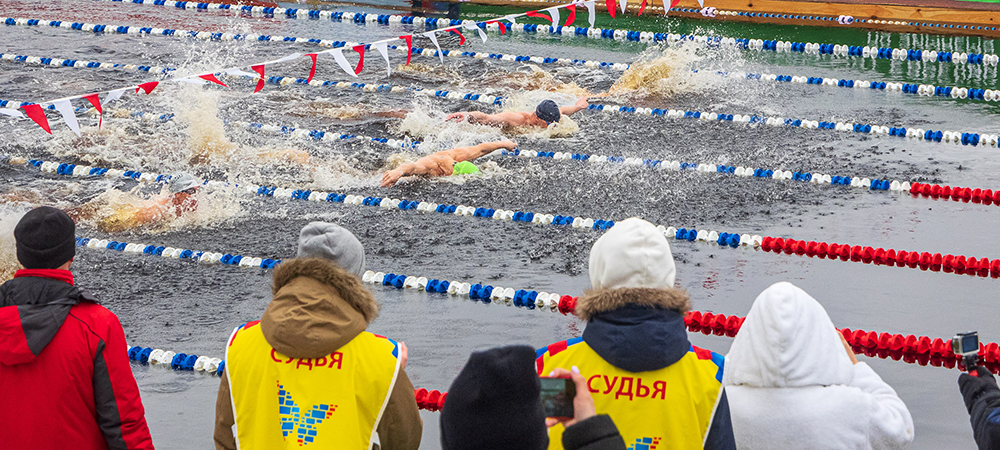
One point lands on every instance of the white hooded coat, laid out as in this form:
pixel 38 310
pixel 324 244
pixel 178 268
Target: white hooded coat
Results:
pixel 791 384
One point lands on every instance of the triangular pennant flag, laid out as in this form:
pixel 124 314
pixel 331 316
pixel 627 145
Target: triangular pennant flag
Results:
pixel 409 47
pixel 571 12
pixel 361 62
pixel 503 26
pixel 312 71
pixel 512 18
pixel 96 102
pixel 338 55
pixel 383 49
pixel 673 3
pixel 37 114
pixel 612 7
pixel 260 81
pixel 66 109
pixel 461 36
pixel 537 14
pixel 147 87
pixel 470 26
pixel 11 112
pixel 114 95
pixel 701 3
pixel 554 12
pixel 211 77
pixel 430 35
pixel 590 11
pixel 624 4
pixel 642 7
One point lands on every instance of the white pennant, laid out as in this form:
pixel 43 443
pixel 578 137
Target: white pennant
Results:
pixel 383 49
pixel 66 109
pixel 511 18
pixel 625 2
pixel 12 113
pixel 338 55
pixel 590 11
pixel 430 35
pixel 113 95
pixel 702 3
pixel 240 73
pixel 469 26
pixel 554 13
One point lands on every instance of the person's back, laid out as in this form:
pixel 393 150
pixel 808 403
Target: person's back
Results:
pixel 65 379
pixel 659 389
pixel 792 385
pixel 308 372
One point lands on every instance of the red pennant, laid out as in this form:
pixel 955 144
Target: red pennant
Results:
pixel 409 46
pixel 147 87
pixel 460 36
pixel 260 82
pixel 96 101
pixel 542 16
pixel 313 70
pixel 361 62
pixel 674 3
pixel 613 5
pixel 37 114
pixel 643 7
pixel 211 77
pixel 503 27
pixel 572 15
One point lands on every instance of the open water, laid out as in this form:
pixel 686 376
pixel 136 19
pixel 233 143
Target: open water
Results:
pixel 182 306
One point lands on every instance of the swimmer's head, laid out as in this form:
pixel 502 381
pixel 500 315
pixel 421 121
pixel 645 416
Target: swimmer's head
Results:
pixel 184 182
pixel 548 111
pixel 464 167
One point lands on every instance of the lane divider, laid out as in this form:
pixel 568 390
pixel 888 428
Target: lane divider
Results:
pixel 362 18
pixel 923 90
pixel 100 29
pixel 957 264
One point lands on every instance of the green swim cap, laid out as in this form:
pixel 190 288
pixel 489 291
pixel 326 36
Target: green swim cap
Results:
pixel 464 167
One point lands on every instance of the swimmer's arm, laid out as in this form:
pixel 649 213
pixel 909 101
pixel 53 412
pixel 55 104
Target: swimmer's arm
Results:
pixel 470 153
pixel 420 167
pixel 581 104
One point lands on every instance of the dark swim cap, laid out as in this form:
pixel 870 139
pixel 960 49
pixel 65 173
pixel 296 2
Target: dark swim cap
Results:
pixel 548 111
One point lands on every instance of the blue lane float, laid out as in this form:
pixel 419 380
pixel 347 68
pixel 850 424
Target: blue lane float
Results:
pixel 100 29
pixel 176 360
pixel 204 257
pixel 903 54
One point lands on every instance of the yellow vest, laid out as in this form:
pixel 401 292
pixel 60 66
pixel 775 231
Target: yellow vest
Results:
pixel 670 408
pixel 330 402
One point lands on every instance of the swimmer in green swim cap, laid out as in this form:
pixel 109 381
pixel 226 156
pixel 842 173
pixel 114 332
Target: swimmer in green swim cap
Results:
pixel 448 162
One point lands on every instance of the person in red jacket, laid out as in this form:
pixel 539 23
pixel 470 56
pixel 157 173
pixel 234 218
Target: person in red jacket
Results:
pixel 65 379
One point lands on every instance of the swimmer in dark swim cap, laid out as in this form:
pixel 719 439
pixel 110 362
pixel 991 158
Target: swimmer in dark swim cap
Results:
pixel 448 162
pixel 545 114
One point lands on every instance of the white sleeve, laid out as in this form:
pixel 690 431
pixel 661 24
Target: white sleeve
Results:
pixel 890 424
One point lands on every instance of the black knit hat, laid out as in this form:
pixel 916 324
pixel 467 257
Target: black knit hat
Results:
pixel 495 403
pixel 45 238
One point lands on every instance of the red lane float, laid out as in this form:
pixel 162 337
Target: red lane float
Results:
pixel 957 264
pixel 430 400
pixel 962 194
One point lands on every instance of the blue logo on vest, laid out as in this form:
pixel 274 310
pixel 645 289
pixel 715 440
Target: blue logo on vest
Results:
pixel 303 423
pixel 645 443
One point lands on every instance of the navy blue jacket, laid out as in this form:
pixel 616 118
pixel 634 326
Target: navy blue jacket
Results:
pixel 982 398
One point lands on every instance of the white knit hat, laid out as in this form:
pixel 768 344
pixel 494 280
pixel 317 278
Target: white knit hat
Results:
pixel 632 254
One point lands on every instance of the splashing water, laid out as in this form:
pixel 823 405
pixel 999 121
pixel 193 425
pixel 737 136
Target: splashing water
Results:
pixel 660 73
pixel 9 216
pixel 538 80
pixel 115 211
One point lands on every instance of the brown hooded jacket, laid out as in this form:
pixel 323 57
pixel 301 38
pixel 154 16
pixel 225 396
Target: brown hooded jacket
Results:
pixel 318 307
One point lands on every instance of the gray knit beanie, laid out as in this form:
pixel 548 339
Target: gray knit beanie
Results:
pixel 333 242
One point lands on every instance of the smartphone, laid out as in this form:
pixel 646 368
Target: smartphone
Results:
pixel 557 397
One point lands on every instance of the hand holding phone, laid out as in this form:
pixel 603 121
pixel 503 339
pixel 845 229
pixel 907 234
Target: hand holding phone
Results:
pixel 577 403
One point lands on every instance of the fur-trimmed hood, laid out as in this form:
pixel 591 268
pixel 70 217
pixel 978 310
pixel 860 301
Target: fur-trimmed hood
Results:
pixel 636 329
pixel 603 300
pixel 318 307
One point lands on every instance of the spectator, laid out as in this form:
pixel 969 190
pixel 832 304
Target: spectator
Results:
pixel 495 404
pixel 794 383
pixel 982 398
pixel 308 372
pixel 643 370
pixel 65 379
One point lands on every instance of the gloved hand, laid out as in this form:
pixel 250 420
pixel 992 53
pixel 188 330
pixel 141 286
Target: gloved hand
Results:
pixel 972 387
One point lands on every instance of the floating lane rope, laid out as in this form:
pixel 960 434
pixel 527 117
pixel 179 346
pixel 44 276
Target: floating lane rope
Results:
pixel 100 29
pixel 957 264
pixel 923 90
pixel 362 18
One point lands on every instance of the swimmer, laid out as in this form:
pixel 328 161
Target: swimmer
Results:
pixel 120 216
pixel 448 162
pixel 545 114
